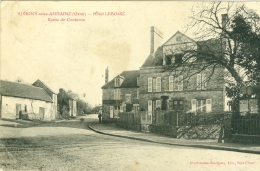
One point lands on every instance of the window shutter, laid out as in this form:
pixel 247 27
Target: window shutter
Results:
pixel 180 85
pixel 115 94
pixel 119 94
pixel 137 93
pixel 171 83
pixel 121 109
pixel 150 84
pixel 198 81
pixel 175 84
pixel 208 105
pixel 150 107
pixel 204 83
pixel 158 104
pixel 158 84
pixel 193 105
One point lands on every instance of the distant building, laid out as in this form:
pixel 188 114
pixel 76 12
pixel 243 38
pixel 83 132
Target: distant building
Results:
pixel 67 105
pixel 51 93
pixel 120 94
pixel 25 101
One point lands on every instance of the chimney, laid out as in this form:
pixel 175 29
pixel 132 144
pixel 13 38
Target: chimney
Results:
pixel 156 38
pixel 106 75
pixel 224 20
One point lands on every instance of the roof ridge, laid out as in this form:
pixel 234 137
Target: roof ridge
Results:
pixel 22 84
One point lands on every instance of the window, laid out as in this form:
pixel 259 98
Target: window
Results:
pixel 158 84
pixel 136 107
pixel 177 105
pixel 117 82
pixel 154 84
pixel 117 94
pixel 201 82
pixel 25 108
pixel 201 105
pixel 178 58
pixel 168 59
pixel 171 83
pixel 150 84
pixel 158 104
pixel 178 83
pixel 128 98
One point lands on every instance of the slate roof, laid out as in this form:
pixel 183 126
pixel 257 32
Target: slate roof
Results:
pixel 129 81
pixel 23 91
pixel 40 84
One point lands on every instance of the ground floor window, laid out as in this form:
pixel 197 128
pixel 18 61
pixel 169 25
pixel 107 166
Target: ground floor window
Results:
pixel 201 105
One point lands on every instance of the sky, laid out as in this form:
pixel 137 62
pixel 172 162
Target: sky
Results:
pixel 73 55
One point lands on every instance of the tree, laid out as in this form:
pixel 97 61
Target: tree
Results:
pixel 63 103
pixel 226 36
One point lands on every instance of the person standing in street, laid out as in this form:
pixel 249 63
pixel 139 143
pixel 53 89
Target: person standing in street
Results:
pixel 99 117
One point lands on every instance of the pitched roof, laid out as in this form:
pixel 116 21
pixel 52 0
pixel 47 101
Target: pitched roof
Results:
pixel 155 59
pixel 205 46
pixel 40 84
pixel 130 80
pixel 23 91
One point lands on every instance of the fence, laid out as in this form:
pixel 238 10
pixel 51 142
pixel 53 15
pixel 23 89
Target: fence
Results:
pixel 248 125
pixel 174 118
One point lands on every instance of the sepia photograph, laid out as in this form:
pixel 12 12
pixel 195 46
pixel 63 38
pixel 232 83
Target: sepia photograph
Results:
pixel 129 85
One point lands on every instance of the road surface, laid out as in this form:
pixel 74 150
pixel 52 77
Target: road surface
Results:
pixel 71 146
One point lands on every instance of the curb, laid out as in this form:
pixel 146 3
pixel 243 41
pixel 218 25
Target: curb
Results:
pixel 178 144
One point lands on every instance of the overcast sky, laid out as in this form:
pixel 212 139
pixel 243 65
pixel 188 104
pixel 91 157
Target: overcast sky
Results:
pixel 74 55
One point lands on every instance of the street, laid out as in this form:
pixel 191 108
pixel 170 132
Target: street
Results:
pixel 70 145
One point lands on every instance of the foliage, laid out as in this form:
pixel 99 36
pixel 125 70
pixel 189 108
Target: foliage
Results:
pixel 63 103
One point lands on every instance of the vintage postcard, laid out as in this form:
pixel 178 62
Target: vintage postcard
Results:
pixel 129 85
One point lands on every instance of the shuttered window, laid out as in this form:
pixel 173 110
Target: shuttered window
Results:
pixel 158 84
pixel 180 85
pixel 158 104
pixel 198 81
pixel 201 105
pixel 171 83
pixel 117 94
pixel 150 79
pixel 204 82
pixel 193 105
pixel 208 105
pixel 201 81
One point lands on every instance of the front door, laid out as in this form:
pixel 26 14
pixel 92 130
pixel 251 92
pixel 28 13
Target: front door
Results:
pixel 41 112
pixel 111 111
pixel 116 111
pixel 18 109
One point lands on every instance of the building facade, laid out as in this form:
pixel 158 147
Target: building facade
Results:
pixel 52 94
pixel 169 79
pixel 21 100
pixel 121 94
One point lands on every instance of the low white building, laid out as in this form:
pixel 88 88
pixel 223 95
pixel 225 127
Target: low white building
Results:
pixel 21 100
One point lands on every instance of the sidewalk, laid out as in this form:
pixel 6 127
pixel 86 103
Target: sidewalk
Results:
pixel 112 130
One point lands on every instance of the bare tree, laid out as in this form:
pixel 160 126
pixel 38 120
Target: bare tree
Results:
pixel 225 36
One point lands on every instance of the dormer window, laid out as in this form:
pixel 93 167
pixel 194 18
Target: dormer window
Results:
pixel 178 58
pixel 117 82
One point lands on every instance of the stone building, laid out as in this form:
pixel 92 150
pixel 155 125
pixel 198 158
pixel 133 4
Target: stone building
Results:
pixel 160 86
pixel 121 94
pixel 19 101
pixel 187 88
